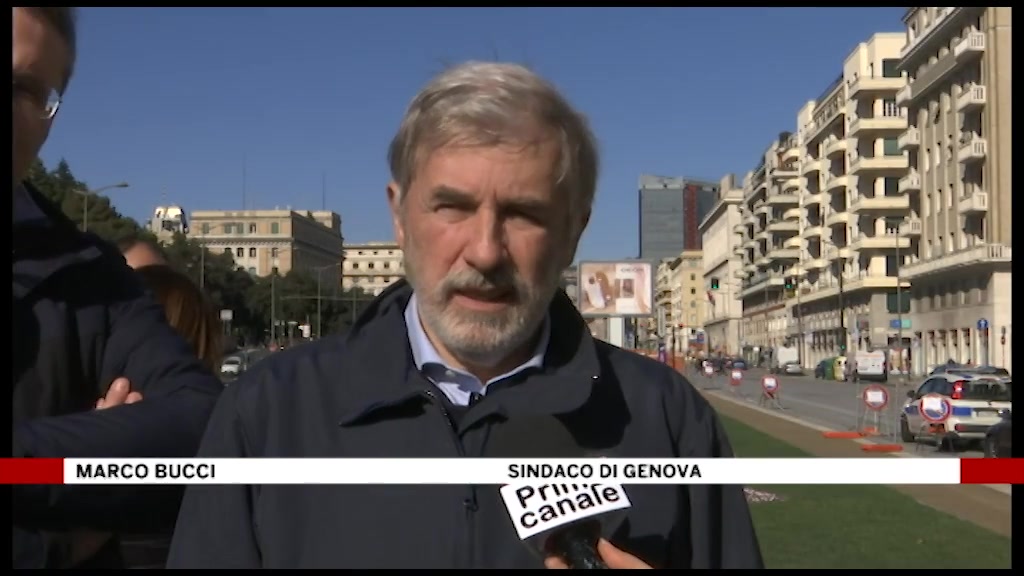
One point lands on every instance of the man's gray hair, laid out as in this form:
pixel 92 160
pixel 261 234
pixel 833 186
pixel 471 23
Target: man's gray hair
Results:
pixel 493 104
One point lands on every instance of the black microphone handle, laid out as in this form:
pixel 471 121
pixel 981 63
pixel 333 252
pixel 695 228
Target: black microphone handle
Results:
pixel 577 546
pixel 580 554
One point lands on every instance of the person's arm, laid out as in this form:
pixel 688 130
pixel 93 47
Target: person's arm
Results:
pixel 179 396
pixel 720 529
pixel 215 526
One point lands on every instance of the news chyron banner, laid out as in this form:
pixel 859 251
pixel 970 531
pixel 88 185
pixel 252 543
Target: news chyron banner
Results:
pixel 501 471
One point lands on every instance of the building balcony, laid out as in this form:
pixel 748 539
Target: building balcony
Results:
pixel 783 199
pixel 835 147
pixel 783 253
pixel 815 263
pixel 971 46
pixel 813 231
pixel 969 49
pixel 750 244
pixel 972 97
pixel 837 253
pixel 879 242
pixel 912 227
pixel 960 261
pixel 738 249
pixel 837 219
pixel 782 226
pixel 793 214
pixel 739 229
pixel 894 163
pixel 974 204
pixel 762 209
pixel 879 203
pixel 812 199
pixel 909 140
pixel 861 126
pixel 785 172
pixel 870 85
pixel 837 183
pixel 763 234
pixel 740 274
pixel 792 185
pixel 750 267
pixel 904 96
pixel 763 262
pixel 909 183
pixel 972 149
pixel 791 154
pixel 810 166
pixel 793 242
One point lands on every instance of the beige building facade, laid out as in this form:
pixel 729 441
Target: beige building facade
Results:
pixel 959 144
pixel 678 301
pixel 770 244
pixel 262 241
pixel 372 266
pixel 722 242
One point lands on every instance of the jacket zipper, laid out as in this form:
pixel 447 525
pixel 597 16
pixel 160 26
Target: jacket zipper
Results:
pixel 469 504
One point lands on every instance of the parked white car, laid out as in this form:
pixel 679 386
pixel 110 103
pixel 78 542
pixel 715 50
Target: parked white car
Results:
pixel 231 365
pixel 972 403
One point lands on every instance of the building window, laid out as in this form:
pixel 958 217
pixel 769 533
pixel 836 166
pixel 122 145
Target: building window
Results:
pixel 275 228
pixel 228 229
pixel 693 291
pixel 252 252
pixel 252 228
pixel 239 252
pixel 227 250
pixel 273 252
pixel 889 68
pixel 205 228
pixel 890 147
pixel 355 265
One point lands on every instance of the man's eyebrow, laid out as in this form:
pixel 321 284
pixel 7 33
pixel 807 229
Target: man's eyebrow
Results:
pixel 448 195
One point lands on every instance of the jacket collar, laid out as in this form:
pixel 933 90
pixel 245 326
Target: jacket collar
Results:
pixel 383 374
pixel 43 246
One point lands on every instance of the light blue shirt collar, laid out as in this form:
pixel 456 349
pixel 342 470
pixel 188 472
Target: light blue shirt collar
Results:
pixel 458 385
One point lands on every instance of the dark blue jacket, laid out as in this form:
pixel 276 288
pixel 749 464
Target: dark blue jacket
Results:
pixel 359 395
pixel 81 318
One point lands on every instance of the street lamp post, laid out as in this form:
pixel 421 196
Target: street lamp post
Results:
pixel 85 200
pixel 319 297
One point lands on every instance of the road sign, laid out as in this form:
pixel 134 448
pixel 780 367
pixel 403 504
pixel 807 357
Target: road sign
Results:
pixel 875 397
pixel 982 324
pixel 736 377
pixel 934 408
pixel 770 384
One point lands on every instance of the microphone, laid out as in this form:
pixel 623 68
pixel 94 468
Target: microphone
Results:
pixel 561 518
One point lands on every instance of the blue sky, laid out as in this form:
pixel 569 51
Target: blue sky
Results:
pixel 177 101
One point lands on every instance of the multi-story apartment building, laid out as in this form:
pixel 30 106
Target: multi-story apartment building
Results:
pixel 671 209
pixel 721 232
pixel 857 224
pixel 264 241
pixel 958 99
pixel 678 299
pixel 168 221
pixel 771 243
pixel 372 266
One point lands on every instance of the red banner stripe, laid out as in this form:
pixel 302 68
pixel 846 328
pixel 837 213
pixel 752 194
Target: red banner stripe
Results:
pixel 992 471
pixel 31 471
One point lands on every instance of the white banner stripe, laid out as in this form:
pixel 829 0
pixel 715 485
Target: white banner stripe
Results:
pixel 739 471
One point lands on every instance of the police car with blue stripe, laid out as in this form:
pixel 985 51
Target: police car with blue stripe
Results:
pixel 971 404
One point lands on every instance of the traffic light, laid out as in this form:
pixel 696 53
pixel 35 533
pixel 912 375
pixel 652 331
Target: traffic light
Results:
pixel 714 283
pixel 790 284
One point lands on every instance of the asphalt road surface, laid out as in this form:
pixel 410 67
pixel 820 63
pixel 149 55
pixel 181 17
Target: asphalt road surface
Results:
pixel 834 405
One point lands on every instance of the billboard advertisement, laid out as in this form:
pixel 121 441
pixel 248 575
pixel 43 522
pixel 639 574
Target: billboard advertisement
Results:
pixel 616 289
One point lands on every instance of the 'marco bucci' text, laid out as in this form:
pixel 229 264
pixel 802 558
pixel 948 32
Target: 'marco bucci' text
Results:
pixel 146 471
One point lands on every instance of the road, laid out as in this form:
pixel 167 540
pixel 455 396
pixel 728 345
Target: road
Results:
pixel 834 405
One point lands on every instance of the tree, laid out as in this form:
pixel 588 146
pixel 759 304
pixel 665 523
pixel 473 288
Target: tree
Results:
pixel 62 188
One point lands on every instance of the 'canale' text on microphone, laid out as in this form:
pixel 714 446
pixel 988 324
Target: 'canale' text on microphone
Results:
pixel 602 471
pixel 159 471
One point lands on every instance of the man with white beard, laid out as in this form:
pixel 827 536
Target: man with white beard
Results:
pixel 493 179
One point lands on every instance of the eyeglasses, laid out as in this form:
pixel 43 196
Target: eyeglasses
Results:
pixel 46 100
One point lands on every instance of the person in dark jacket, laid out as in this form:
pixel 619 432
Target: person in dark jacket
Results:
pixel 494 175
pixel 81 321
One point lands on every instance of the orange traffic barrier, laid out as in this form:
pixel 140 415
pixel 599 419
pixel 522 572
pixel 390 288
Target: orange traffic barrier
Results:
pixel 882 447
pixel 869 431
pixel 842 435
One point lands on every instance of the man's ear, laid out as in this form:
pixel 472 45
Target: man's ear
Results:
pixel 395 205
